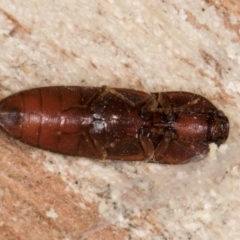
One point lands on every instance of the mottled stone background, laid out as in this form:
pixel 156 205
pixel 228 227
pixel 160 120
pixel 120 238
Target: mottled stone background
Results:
pixel 154 45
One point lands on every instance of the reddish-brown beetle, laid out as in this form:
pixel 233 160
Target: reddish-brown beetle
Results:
pixel 121 124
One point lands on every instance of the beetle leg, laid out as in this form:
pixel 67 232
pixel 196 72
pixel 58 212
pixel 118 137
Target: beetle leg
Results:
pixel 98 94
pixel 99 152
pixel 148 104
pixel 103 98
pixel 92 98
pixel 172 151
pixel 119 95
pixel 164 101
pixel 187 106
pixel 103 91
pixel 161 149
pixel 146 145
pixel 94 145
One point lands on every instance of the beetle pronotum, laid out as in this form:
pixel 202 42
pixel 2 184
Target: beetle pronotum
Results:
pixel 120 124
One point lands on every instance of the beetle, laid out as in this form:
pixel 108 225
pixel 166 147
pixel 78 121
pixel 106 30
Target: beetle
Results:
pixel 114 123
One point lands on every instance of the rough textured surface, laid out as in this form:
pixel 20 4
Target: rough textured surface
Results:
pixel 145 45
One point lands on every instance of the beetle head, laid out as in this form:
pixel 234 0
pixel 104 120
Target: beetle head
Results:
pixel 219 129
